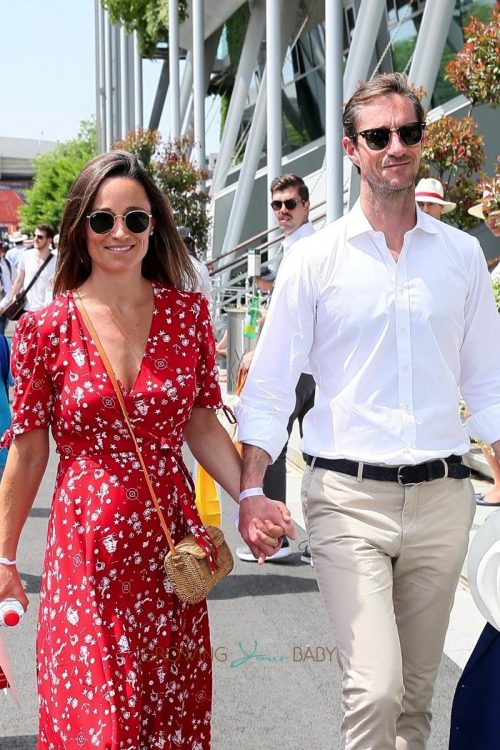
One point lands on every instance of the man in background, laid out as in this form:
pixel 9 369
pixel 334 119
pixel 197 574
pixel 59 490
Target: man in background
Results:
pixel 29 266
pixel 291 205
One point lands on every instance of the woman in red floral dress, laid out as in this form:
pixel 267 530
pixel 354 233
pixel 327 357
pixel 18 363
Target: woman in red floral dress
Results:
pixel 123 664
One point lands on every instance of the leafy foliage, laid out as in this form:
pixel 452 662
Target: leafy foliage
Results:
pixel 148 17
pixel 453 152
pixel 55 172
pixel 180 180
pixel 176 176
pixel 144 143
pixel 475 71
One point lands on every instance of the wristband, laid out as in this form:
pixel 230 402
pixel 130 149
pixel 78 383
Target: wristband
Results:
pixel 252 492
pixel 4 561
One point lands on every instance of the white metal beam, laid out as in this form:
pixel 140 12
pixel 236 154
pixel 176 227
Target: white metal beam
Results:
pixel 173 59
pixel 246 67
pixel 429 48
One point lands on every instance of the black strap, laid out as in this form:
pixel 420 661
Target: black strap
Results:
pixel 451 466
pixel 35 277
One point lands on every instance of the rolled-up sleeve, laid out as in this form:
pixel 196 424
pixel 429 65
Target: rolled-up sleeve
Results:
pixel 480 356
pixel 33 392
pixel 282 352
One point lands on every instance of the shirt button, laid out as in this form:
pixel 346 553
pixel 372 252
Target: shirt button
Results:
pixel 405 368
pixel 403 329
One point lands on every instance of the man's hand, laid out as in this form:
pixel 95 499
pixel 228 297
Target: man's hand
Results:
pixel 262 524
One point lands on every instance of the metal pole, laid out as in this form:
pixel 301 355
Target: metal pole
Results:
pixel 368 20
pixel 199 82
pixel 186 85
pixel 429 48
pixel 138 96
pixel 246 67
pixel 109 81
pixel 273 66
pixel 99 65
pixel 333 107
pixel 115 64
pixel 254 144
pixel 173 59
pixel 124 84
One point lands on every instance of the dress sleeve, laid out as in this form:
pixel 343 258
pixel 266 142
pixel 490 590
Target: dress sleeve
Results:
pixel 208 393
pixel 33 393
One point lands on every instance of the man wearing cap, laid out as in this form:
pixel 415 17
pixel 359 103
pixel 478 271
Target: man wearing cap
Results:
pixel 475 715
pixel 429 195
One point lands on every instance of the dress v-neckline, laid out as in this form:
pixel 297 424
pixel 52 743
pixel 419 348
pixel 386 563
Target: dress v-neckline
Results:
pixel 124 390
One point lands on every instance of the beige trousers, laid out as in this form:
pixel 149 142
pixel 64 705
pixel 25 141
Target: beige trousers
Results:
pixel 387 559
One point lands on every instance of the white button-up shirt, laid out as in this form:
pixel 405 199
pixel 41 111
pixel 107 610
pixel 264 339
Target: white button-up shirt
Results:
pixel 390 346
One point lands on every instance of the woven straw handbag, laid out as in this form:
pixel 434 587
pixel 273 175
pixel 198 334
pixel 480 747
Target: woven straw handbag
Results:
pixel 191 572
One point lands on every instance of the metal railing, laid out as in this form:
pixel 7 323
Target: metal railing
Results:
pixel 235 292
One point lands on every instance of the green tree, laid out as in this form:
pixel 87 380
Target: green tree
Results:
pixel 177 177
pixel 180 180
pixel 453 152
pixel 55 171
pixel 475 70
pixel 148 17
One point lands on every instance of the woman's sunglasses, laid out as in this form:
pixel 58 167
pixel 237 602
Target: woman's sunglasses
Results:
pixel 378 138
pixel 289 204
pixel 102 222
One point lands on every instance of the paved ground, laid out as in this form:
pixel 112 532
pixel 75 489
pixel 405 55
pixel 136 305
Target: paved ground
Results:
pixel 276 681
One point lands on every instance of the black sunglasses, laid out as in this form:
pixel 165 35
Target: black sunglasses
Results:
pixel 378 138
pixel 40 237
pixel 102 222
pixel 289 204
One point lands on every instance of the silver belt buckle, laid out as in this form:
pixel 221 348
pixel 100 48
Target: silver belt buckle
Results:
pixel 412 484
pixel 400 480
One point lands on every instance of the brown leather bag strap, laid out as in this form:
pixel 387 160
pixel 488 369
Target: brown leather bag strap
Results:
pixel 107 364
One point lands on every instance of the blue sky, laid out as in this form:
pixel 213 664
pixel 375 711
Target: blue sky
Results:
pixel 48 71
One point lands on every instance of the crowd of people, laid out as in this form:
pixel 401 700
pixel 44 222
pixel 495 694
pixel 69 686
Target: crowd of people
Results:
pixel 377 323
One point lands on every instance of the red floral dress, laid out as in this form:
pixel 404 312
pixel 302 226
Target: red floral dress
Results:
pixel 122 663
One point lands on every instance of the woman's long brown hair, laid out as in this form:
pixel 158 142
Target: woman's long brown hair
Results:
pixel 167 259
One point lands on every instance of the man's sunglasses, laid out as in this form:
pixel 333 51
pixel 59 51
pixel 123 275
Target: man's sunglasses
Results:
pixel 289 204
pixel 102 222
pixel 40 237
pixel 378 138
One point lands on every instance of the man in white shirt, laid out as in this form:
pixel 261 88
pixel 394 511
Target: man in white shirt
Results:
pixel 30 264
pixel 290 202
pixel 394 312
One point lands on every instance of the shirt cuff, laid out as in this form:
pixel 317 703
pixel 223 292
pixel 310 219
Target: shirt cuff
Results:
pixel 260 429
pixel 485 424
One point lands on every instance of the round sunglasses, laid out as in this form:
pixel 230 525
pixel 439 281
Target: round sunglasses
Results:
pixel 289 204
pixel 378 138
pixel 102 222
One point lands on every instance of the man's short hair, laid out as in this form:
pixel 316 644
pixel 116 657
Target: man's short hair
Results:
pixel 48 229
pixel 285 181
pixel 381 85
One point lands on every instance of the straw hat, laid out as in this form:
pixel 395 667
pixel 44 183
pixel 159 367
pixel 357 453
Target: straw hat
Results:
pixel 430 190
pixel 17 236
pixel 477 210
pixel 483 569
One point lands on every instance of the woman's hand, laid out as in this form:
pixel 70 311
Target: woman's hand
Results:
pixel 11 586
pixel 262 524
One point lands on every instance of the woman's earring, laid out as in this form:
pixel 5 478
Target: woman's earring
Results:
pixel 151 232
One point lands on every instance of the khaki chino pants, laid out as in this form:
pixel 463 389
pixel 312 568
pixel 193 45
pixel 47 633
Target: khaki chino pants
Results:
pixel 387 559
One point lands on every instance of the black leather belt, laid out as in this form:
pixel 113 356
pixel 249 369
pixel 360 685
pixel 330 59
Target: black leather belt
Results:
pixel 451 466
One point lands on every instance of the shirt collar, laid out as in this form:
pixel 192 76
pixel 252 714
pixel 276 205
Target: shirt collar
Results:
pixel 358 224
pixel 303 231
